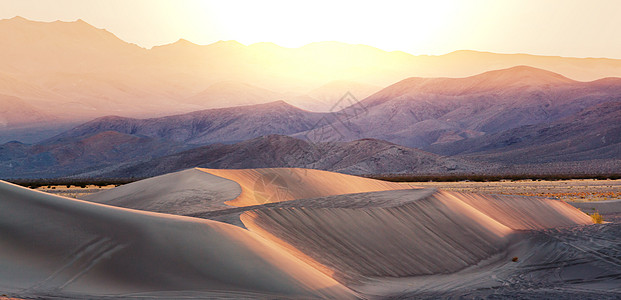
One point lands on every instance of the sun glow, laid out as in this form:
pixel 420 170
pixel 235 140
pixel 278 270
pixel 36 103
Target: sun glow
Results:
pixel 290 24
pixel 418 26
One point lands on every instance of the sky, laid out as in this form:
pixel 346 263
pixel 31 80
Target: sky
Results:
pixel 546 27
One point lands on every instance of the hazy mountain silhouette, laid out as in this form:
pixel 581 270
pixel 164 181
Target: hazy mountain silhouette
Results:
pixel 60 74
pixel 76 72
pixel 230 93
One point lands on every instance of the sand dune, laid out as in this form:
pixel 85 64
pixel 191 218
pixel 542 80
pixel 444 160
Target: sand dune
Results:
pixel 300 233
pixel 579 262
pixel 406 232
pixel 199 190
pixel 269 185
pixel 60 246
pixel 180 193
pixel 519 212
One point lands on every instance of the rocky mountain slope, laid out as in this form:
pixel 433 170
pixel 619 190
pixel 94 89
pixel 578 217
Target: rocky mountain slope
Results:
pixel 113 154
pixel 592 134
pixel 419 112
pixel 89 152
pixel 207 126
pixel 367 156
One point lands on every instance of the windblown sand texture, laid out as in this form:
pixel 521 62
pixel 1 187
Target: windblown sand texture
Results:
pixel 300 234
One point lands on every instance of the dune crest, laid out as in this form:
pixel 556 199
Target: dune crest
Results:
pixel 270 185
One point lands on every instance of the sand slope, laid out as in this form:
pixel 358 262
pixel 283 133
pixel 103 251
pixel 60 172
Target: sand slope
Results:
pixel 519 212
pixel 578 262
pixel 59 246
pixel 406 232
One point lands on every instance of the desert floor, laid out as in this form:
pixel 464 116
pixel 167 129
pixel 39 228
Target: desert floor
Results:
pixel 578 190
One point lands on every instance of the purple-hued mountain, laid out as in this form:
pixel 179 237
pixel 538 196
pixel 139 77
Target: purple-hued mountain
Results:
pixel 500 121
pixel 419 112
pixel 207 126
pixel 593 133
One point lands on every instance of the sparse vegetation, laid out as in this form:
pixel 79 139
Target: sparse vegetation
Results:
pixel 577 196
pixel 514 259
pixel 489 177
pixel 597 218
pixel 68 182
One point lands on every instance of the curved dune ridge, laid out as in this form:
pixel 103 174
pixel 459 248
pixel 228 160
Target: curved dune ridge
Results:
pixel 270 185
pixel 59 246
pixel 198 190
pixel 404 233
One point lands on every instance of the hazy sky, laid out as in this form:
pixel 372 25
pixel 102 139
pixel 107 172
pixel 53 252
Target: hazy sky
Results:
pixel 549 27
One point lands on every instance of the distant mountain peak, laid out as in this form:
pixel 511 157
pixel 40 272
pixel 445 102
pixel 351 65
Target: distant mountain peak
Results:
pixel 278 103
pixel 180 43
pixel 110 118
pixel 496 80
pixel 521 75
pixel 80 21
pixel 183 42
pixel 17 19
pixel 21 20
pixel 523 70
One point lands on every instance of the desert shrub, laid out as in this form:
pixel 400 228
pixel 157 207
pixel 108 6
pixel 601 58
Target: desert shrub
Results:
pixel 514 259
pixel 597 218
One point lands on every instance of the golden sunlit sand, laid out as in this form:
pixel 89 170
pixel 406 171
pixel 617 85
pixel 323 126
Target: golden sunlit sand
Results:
pixel 270 185
pixel 358 238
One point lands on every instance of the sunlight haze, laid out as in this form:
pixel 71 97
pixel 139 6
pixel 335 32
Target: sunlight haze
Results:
pixel 562 28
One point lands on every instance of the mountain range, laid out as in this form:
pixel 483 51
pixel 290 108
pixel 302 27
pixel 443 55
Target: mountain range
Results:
pixel 78 101
pixel 55 75
pixel 421 112
pixel 504 121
